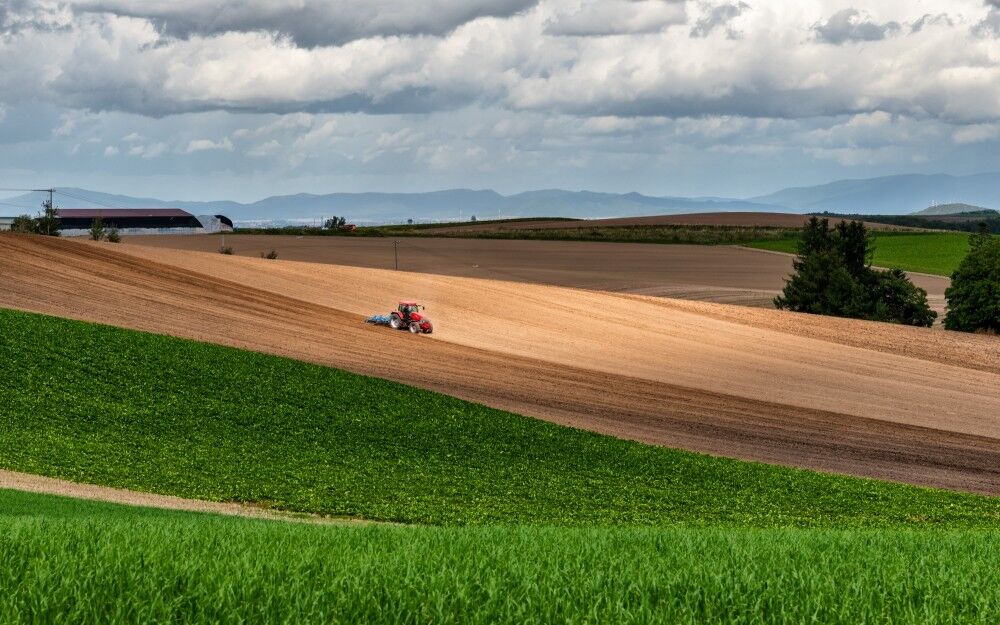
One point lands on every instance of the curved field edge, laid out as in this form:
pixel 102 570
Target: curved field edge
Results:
pixel 71 562
pixel 127 409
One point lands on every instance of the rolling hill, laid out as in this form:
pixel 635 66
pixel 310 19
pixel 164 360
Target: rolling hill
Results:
pixel 888 194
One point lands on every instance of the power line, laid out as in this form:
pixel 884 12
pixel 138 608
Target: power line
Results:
pixel 16 205
pixel 85 199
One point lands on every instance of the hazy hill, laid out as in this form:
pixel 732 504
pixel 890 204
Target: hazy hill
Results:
pixel 388 207
pixel 894 195
pixel 889 195
pixel 952 209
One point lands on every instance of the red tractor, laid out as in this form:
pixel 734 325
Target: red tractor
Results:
pixel 408 316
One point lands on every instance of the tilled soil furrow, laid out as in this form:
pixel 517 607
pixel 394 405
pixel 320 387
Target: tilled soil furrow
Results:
pixel 103 284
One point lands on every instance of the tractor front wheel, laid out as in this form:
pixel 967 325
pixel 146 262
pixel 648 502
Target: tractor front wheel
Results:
pixel 414 327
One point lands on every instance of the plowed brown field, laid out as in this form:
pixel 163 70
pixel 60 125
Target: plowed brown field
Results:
pixel 739 218
pixel 862 398
pixel 723 274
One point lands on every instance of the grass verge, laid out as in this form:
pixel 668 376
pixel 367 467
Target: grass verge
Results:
pixel 128 409
pixel 935 253
pixel 80 562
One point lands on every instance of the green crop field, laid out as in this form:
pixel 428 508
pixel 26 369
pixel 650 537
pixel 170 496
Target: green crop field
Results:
pixel 121 408
pixel 936 253
pixel 65 561
pixel 516 520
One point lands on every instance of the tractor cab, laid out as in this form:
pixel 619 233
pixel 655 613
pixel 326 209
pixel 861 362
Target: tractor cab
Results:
pixel 408 309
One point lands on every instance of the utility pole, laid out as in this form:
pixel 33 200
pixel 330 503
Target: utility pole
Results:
pixel 395 254
pixel 51 207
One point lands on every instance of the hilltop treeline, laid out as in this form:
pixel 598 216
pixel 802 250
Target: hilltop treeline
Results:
pixel 961 222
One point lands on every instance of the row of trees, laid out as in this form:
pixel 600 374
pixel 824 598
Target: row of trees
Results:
pixel 833 276
pixel 47 223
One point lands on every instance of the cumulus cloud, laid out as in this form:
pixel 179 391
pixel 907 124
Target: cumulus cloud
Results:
pixel 308 23
pixel 202 145
pixel 617 17
pixel 526 83
pixel 719 17
pixel 976 133
pixel 990 25
pixel 850 25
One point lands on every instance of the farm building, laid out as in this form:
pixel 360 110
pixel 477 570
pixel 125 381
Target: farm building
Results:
pixel 5 223
pixel 135 220
pixel 216 223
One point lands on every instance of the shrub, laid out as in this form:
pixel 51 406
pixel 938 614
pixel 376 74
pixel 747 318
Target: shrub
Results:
pixel 897 299
pixel 226 249
pixel 97 229
pixel 270 255
pixel 24 224
pixel 113 236
pixel 974 294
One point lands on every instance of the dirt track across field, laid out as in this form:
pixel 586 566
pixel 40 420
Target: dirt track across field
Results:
pixel 27 482
pixel 723 274
pixel 854 397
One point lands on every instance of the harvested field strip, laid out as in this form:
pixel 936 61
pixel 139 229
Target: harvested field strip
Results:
pixel 101 283
pixel 648 339
pixel 688 271
pixel 79 562
pixel 145 412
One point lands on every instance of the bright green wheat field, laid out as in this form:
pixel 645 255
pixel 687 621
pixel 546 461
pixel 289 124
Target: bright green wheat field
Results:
pixel 66 561
pixel 935 253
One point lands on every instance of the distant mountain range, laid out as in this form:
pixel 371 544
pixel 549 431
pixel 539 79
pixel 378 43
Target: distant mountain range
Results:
pixel 889 195
pixel 898 195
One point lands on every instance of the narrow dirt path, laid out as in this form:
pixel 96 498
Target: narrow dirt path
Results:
pixel 26 482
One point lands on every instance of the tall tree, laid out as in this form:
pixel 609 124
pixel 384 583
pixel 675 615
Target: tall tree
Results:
pixel 974 294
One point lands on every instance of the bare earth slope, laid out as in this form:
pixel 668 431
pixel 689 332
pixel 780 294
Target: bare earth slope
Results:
pixel 683 374
pixel 729 275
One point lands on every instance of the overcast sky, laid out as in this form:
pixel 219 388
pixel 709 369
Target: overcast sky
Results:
pixel 240 99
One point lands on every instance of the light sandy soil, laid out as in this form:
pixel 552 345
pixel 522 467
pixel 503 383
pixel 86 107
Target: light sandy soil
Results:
pixel 27 482
pixel 854 397
pixel 722 274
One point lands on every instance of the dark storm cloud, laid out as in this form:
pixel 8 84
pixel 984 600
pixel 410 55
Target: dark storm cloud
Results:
pixel 310 23
pixel 850 25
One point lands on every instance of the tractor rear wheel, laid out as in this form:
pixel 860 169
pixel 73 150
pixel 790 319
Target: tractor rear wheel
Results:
pixel 414 327
pixel 395 322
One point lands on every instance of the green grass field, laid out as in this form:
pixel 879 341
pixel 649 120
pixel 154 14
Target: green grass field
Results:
pixel 121 408
pixel 936 253
pixel 65 561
